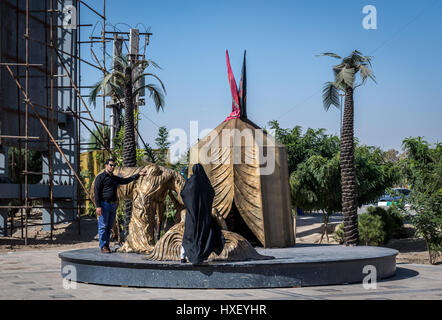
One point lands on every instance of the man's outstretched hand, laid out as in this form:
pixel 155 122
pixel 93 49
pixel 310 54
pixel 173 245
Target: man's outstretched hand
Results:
pixel 98 211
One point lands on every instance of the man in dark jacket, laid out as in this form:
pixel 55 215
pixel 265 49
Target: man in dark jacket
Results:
pixel 106 184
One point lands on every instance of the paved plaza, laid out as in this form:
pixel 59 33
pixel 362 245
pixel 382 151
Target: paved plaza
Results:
pixel 36 275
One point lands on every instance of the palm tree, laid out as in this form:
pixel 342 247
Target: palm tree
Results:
pixel 345 74
pixel 119 84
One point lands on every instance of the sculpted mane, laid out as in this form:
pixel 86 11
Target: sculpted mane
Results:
pixel 155 178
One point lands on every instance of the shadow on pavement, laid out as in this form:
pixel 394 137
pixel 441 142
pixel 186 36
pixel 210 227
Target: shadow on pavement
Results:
pixel 401 274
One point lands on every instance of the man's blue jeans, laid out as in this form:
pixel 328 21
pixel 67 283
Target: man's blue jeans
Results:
pixel 106 222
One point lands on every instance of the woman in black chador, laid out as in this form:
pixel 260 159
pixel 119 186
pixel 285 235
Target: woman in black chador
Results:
pixel 202 235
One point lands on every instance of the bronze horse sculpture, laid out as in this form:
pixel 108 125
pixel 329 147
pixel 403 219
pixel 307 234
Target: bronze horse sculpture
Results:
pixel 148 195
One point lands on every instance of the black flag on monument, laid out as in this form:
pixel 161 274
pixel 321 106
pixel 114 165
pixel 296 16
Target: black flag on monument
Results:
pixel 243 90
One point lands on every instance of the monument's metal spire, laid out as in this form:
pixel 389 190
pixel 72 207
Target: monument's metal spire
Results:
pixel 243 90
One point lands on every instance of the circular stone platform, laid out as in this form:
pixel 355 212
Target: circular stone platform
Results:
pixel 292 267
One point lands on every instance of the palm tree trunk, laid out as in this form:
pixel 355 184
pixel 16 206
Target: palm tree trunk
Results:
pixel 348 175
pixel 129 144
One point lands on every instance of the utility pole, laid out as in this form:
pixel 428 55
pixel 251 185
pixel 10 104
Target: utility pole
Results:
pixel 114 103
pixel 134 47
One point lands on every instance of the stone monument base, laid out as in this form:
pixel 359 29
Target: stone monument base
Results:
pixel 299 266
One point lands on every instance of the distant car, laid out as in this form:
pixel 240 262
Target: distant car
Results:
pixel 397 193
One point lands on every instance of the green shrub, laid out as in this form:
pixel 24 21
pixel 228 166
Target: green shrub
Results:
pixel 395 223
pixel 90 210
pixel 338 235
pixel 392 219
pixel 371 229
pixel 428 222
pixel 376 226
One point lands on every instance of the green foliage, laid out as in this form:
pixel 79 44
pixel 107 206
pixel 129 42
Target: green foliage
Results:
pixel 300 146
pixel 392 219
pixel 338 235
pixel 120 216
pixel 96 139
pixel 16 160
pixel 315 175
pixel 118 150
pixel 395 223
pixel 345 76
pixel 423 165
pixel 113 83
pixel 87 179
pixel 376 226
pixel 423 169
pixel 313 184
pixel 182 165
pixel 313 161
pixel 374 174
pixel 170 210
pixel 428 224
pixel 163 146
pixel 371 229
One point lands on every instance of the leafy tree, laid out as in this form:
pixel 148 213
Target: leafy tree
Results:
pixel 313 187
pixel 374 174
pixel 163 145
pixel 392 155
pixel 300 146
pixel 423 169
pixel 345 77
pixel 315 180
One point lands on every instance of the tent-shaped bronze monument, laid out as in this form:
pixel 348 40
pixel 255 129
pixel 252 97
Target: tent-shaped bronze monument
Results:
pixel 248 170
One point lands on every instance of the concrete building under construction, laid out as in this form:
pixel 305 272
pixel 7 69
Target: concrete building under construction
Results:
pixel 42 109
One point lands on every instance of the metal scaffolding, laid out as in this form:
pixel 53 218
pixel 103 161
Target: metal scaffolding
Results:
pixel 55 58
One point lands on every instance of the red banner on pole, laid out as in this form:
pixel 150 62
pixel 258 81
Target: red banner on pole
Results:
pixel 234 90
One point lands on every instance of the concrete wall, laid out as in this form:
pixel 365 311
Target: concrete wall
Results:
pixel 13 50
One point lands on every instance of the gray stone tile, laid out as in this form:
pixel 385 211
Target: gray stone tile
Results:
pixel 290 294
pixel 138 292
pixel 9 276
pixel 239 294
pixel 62 296
pixel 394 287
pixel 328 290
pixel 23 282
pixel 41 289
pixel 14 268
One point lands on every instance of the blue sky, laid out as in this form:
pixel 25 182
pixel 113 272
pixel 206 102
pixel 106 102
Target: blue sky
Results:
pixel 284 76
